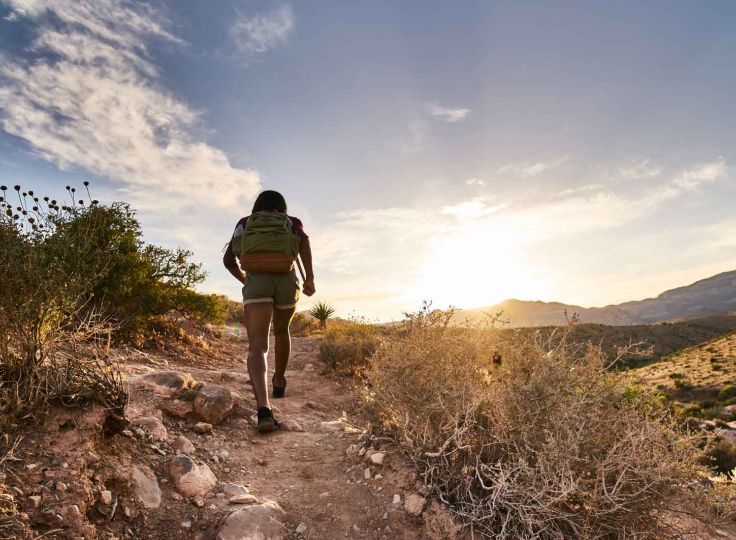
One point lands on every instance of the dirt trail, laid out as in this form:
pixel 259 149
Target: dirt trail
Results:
pixel 312 470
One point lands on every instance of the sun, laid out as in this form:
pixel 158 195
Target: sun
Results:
pixel 476 265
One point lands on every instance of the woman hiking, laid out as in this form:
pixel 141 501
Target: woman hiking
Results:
pixel 268 243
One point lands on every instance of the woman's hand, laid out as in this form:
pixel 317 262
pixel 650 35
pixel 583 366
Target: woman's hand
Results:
pixel 309 288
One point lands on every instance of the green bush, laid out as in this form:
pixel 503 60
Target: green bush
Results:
pixel 721 456
pixel 727 392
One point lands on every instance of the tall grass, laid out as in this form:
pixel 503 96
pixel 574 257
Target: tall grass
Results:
pixel 545 444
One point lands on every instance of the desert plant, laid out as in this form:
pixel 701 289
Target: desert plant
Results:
pixel 303 325
pixel 347 345
pixel 549 444
pixel 322 312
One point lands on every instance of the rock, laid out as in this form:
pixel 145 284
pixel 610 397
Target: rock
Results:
pixel 184 445
pixel 377 458
pixel 176 496
pixel 351 450
pixel 308 367
pixel 378 477
pixel 290 425
pixel 202 427
pixel 145 486
pixel 414 504
pixel 35 501
pixel 257 522
pixel 245 498
pixel 167 383
pixel 397 499
pixel 213 403
pixel 153 427
pixel 186 524
pixel 332 425
pixel 367 474
pixel 324 494
pixel 361 452
pixel 198 501
pixel 177 407
pixel 232 490
pixel 312 404
pixel 301 528
pixel 731 425
pixel 189 478
pixel 61 486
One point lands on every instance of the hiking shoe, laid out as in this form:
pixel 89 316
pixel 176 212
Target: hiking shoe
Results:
pixel 266 421
pixel 278 391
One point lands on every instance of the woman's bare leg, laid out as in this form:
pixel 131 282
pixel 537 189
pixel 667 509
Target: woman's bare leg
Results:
pixel 281 321
pixel 258 324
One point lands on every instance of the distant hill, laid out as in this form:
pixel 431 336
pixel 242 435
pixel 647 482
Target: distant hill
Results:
pixel 712 296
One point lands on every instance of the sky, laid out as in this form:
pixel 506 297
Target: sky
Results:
pixel 458 152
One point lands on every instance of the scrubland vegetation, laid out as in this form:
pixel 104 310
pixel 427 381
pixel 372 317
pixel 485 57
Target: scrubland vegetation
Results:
pixel 77 277
pixel 531 434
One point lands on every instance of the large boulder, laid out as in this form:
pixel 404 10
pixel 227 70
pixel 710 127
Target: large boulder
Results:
pixel 177 408
pixel 257 522
pixel 213 403
pixel 191 479
pixel 167 383
pixel 145 486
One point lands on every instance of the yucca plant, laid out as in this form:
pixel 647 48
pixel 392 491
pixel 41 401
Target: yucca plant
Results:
pixel 322 311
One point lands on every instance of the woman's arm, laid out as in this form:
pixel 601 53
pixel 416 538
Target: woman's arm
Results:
pixel 305 251
pixel 232 264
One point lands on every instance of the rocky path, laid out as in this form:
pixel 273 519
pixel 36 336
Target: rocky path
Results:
pixel 321 476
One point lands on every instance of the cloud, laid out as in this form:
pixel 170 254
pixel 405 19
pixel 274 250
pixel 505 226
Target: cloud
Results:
pixel 475 182
pixel 701 174
pixel 471 209
pixel 641 170
pixel 90 97
pixel 262 32
pixel 447 114
pixel 528 170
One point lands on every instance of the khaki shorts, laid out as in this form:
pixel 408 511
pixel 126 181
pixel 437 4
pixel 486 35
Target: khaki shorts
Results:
pixel 280 289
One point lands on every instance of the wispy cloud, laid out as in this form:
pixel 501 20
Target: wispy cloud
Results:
pixel 471 209
pixel 262 32
pixel 642 170
pixel 447 114
pixel 701 174
pixel 475 182
pixel 90 97
pixel 528 170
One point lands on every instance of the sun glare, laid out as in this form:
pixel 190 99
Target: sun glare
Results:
pixel 478 265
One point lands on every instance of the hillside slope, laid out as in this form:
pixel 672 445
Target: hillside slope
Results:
pixel 711 296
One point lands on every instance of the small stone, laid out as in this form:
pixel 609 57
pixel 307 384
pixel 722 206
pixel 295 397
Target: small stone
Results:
pixel 356 528
pixel 301 528
pixel 385 515
pixel 35 501
pixel 308 367
pixel 361 453
pixel 378 477
pixel 145 486
pixel 61 486
pixel 312 404
pixel 202 427
pixel 128 433
pixel 231 490
pixel 224 454
pixel 414 504
pixel 367 474
pixel 177 408
pixel 31 466
pixel 153 426
pixel 397 499
pixel 186 524
pixel 175 496
pixel 198 501
pixel 106 497
pixel 324 494
pixel 190 478
pixel 213 403
pixel 183 444
pixel 290 425
pixel 245 498
pixel 351 450
pixel 331 426
pixel 377 458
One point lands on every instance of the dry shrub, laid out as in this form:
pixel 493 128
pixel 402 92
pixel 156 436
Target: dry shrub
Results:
pixel 348 344
pixel 545 444
pixel 12 525
pixel 303 325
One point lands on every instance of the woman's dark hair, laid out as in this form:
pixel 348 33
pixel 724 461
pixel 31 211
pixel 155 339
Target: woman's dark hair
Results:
pixel 270 200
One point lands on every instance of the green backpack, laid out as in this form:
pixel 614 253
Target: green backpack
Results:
pixel 267 243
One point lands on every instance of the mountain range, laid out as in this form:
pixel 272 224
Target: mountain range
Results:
pixel 711 296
